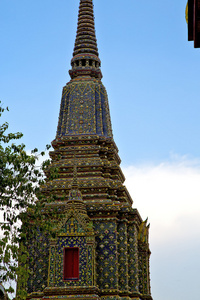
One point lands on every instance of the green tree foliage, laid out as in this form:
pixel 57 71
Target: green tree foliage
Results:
pixel 20 179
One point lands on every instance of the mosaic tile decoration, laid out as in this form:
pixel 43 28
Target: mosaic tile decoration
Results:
pixel 96 208
pixel 84 110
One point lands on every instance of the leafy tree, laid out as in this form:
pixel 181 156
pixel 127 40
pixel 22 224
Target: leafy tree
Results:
pixel 20 179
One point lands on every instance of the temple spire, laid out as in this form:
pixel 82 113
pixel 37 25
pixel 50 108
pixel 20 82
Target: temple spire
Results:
pixel 85 61
pixel 86 38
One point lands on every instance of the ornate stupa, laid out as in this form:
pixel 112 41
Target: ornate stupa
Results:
pixel 100 248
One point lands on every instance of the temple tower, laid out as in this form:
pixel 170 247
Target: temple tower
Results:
pixel 100 248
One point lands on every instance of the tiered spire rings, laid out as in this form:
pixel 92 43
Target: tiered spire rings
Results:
pixel 85 61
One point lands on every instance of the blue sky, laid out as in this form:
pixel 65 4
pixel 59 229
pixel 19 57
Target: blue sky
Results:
pixel 149 68
pixel 151 73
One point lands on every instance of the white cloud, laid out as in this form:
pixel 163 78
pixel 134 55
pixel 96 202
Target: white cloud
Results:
pixel 169 194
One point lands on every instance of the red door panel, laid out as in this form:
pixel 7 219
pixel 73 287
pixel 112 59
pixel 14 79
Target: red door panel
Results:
pixel 71 263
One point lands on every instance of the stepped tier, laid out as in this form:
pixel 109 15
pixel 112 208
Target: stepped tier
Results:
pixel 99 175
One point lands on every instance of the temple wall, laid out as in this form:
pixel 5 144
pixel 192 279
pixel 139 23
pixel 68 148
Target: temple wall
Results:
pixel 133 258
pixel 123 256
pixel 106 254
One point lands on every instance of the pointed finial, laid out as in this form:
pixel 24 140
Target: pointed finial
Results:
pixel 85 36
pixel 74 193
pixel 75 182
pixel 85 61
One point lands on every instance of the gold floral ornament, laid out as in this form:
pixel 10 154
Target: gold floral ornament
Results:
pixel 186 13
pixel 143 231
